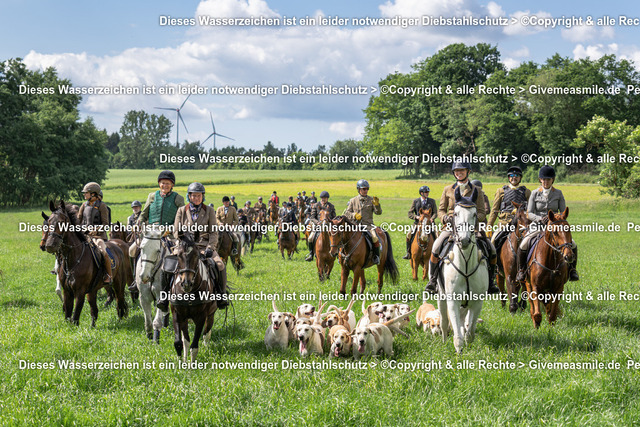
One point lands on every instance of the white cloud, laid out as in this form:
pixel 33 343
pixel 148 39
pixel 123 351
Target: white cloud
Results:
pixel 583 33
pixel 525 17
pixel 347 130
pixel 594 51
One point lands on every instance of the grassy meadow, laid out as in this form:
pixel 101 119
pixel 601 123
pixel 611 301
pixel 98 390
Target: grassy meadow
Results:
pixel 401 390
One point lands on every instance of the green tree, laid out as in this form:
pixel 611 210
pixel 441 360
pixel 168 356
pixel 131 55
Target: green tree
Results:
pixel 45 150
pixel 144 137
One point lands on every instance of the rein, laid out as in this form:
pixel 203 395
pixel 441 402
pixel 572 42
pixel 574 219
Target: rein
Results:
pixel 343 246
pixel 456 239
pixel 557 249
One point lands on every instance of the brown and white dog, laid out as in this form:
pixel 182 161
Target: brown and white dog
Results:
pixel 340 340
pixel 386 312
pixel 277 334
pixel 369 314
pixel 369 340
pixel 346 318
pixel 306 310
pixel 428 318
pixel 311 337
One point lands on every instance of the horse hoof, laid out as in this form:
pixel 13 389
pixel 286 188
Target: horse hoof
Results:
pixel 156 336
pixel 149 335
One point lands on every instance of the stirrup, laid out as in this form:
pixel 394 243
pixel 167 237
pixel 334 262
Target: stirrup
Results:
pixel 431 288
pixel 573 275
pixel 521 276
pixel 234 251
pixel 493 289
pixel 106 279
pixel 407 256
pixel 375 260
pixel 309 257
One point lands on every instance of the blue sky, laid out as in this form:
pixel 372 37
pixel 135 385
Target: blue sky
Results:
pixel 118 42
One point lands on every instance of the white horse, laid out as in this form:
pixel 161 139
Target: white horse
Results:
pixel 466 277
pixel 149 280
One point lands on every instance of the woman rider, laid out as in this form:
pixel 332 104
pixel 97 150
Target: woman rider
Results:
pixel 196 216
pixel 542 200
pixel 94 213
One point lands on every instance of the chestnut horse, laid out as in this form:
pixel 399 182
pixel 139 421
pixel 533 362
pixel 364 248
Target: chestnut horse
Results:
pixel 118 233
pixel 273 212
pixel 300 205
pixel 548 269
pixel 80 276
pixel 263 222
pixel 348 241
pixel 191 297
pixel 508 259
pixel 422 244
pixel 324 260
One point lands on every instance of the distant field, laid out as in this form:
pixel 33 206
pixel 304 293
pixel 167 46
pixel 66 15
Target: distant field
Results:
pixel 401 390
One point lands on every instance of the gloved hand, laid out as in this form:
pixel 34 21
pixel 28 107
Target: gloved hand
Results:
pixel 489 233
pixel 208 253
pixel 358 217
pixel 376 201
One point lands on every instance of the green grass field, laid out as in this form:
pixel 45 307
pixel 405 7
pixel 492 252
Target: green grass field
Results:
pixel 32 329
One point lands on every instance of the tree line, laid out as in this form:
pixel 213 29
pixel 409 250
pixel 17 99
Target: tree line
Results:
pixel 47 151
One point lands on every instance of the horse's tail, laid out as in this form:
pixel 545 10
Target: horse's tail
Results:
pixel 390 266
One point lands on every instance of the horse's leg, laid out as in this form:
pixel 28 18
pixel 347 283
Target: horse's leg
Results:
pixel 380 275
pixel 553 308
pixel 356 278
pixel 121 300
pixel 67 303
pixel 146 303
pixel 534 303
pixel 196 337
pixel 177 342
pixel 344 276
pixel 444 318
pixel 184 328
pixel 78 308
pixel 92 299
pixel 457 324
pixel 416 256
pixel 472 320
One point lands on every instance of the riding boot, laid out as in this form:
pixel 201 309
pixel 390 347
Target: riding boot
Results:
pixel 163 304
pixel 522 265
pixel 434 271
pixel 376 254
pixel 222 278
pixel 311 253
pixel 573 273
pixel 493 289
pixel 408 254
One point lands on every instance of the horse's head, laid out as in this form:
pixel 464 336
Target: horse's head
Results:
pixel 425 223
pixel 45 231
pixel 464 218
pixel 188 258
pixel 58 222
pixel 558 234
pixel 520 220
pixel 150 248
pixel 323 216
pixel 336 234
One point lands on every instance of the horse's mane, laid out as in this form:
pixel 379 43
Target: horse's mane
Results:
pixel 71 211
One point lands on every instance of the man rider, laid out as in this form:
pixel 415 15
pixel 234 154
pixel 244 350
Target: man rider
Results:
pixel 422 202
pixel 313 219
pixel 361 209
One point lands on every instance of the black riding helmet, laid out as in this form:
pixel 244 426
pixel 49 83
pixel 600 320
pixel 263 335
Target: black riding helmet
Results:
pixel 196 187
pixel 515 170
pixel 167 175
pixel 324 194
pixel 547 172
pixel 460 165
pixel 225 199
pixel 424 189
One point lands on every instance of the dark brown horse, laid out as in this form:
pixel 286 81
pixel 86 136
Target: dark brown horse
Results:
pixel 300 205
pixel 324 260
pixel 287 240
pixel 348 241
pixel 508 260
pixel 263 223
pixel 422 244
pixel 80 276
pixel 118 234
pixel 548 269
pixel 225 246
pixel 191 297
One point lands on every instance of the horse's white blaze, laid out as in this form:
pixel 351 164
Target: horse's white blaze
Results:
pixel 463 320
pixel 56 267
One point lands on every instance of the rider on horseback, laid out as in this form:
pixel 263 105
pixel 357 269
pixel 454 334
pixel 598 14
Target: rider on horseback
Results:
pixel 361 209
pixel 324 205
pixel 542 200
pixel 502 206
pixel 228 217
pixel 422 202
pixel 290 218
pixel 195 216
pixel 136 206
pixel 259 206
pixel 94 213
pixel 461 172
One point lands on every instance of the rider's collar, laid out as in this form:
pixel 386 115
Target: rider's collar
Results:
pixel 514 187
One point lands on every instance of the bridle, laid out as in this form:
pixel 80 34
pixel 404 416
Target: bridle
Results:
pixel 557 249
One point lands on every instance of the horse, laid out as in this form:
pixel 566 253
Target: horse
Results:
pixel 80 275
pixel 263 223
pixel 464 276
pixel 73 211
pixel 118 233
pixel 273 212
pixel 247 238
pixel 324 260
pixel 224 249
pixel 422 244
pixel 191 297
pixel 287 240
pixel 508 260
pixel 548 268
pixel 149 279
pixel 348 241
pixel 300 206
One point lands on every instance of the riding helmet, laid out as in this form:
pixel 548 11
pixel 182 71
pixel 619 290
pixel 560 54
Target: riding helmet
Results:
pixel 225 199
pixel 514 169
pixel 324 194
pixel 460 165
pixel 363 183
pixel 91 187
pixel 424 189
pixel 136 203
pixel 195 187
pixel 547 172
pixel 167 175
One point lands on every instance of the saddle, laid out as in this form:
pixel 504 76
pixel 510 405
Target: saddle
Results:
pixel 501 237
pixel 97 255
pixel 532 247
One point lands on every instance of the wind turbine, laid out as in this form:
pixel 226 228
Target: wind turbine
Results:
pixel 214 133
pixel 178 117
